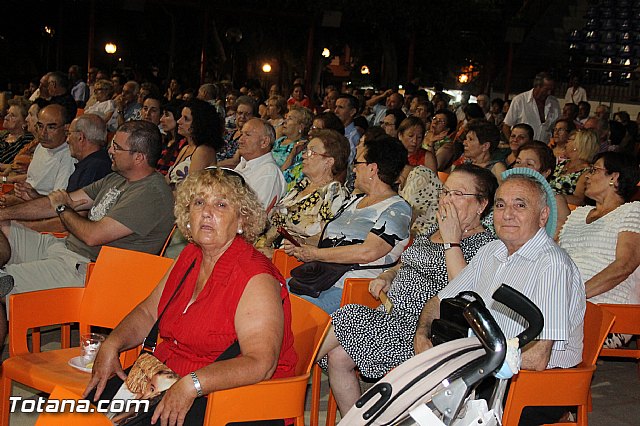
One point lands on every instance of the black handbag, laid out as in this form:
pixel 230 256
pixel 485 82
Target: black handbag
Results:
pixel 452 325
pixel 312 278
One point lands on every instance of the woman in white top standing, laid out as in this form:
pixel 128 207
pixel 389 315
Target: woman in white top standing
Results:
pixel 603 240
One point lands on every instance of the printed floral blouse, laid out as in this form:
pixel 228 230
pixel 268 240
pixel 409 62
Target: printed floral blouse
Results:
pixel 304 216
pixel 564 184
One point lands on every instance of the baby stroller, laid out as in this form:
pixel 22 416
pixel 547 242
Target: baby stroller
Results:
pixel 435 387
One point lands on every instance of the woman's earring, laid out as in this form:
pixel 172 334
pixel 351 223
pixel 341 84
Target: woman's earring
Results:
pixel 611 182
pixel 188 226
pixel 240 231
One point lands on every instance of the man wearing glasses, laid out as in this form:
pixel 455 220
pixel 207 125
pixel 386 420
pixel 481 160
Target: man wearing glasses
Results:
pixel 131 208
pixel 52 164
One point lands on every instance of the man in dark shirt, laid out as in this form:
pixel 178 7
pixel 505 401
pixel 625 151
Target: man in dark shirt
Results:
pixel 57 88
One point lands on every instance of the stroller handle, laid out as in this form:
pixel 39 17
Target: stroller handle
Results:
pixel 521 304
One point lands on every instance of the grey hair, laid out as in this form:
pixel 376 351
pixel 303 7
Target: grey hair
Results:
pixel 532 182
pixel 268 129
pixel 93 128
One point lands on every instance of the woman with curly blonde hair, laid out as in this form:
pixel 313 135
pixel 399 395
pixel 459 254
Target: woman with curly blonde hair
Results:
pixel 219 293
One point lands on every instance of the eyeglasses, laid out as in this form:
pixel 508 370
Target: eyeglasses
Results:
pixel 310 153
pixel 356 162
pixel 51 127
pixel 385 124
pixel 117 147
pixel 439 120
pixel 560 129
pixel 455 193
pixel 227 172
pixel 593 169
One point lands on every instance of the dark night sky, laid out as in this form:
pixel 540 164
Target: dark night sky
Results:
pixel 447 34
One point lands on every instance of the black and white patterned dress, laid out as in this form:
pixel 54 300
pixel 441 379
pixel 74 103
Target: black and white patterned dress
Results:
pixel 379 342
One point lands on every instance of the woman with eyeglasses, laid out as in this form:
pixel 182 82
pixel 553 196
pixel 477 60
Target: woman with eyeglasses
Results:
pixel 219 294
pixel 15 134
pixel 375 341
pixel 317 197
pixel 16 171
pixel 287 150
pixel 561 132
pixel 603 240
pixel 569 178
pixel 104 106
pixel 276 110
pixel 439 138
pixel 372 228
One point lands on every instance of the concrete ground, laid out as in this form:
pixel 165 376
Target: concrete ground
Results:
pixel 615 392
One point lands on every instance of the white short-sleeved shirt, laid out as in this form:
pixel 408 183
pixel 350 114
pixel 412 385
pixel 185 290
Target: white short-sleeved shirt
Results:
pixel 523 109
pixel 265 178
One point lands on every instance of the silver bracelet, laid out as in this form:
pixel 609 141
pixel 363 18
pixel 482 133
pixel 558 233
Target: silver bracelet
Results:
pixel 196 383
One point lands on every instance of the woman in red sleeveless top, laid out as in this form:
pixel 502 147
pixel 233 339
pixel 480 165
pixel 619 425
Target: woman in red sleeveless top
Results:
pixel 220 290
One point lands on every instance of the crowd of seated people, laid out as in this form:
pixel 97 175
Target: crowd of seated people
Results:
pixel 352 178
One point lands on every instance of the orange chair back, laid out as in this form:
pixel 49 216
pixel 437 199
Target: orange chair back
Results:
pixel 309 324
pixel 284 262
pixel 65 419
pixel 119 281
pixel 627 322
pixel 168 240
pixel 597 323
pixel 356 290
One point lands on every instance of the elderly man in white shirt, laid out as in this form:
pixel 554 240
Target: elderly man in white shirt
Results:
pixel 536 107
pixel 257 164
pixel 527 259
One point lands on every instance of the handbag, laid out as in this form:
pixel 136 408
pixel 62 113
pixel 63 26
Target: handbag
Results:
pixel 145 368
pixel 312 278
pixel 452 325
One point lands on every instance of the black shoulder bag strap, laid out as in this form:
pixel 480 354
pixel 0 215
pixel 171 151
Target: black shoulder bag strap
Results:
pixel 355 265
pixel 149 344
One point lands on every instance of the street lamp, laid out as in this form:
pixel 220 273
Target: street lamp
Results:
pixel 110 48
pixel 326 52
pixel 364 70
pixel 266 67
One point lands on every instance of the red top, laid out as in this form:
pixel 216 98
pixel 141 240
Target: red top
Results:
pixel 195 338
pixel 305 102
pixel 417 158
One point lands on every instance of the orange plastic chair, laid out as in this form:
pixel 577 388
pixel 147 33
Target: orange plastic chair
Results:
pixel 276 398
pixel 355 290
pixel 562 387
pixel 443 176
pixel 119 281
pixel 66 418
pixel 79 112
pixel 284 262
pixel 627 322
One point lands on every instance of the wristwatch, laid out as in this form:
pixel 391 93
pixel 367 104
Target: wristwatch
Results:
pixel 61 209
pixel 447 246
